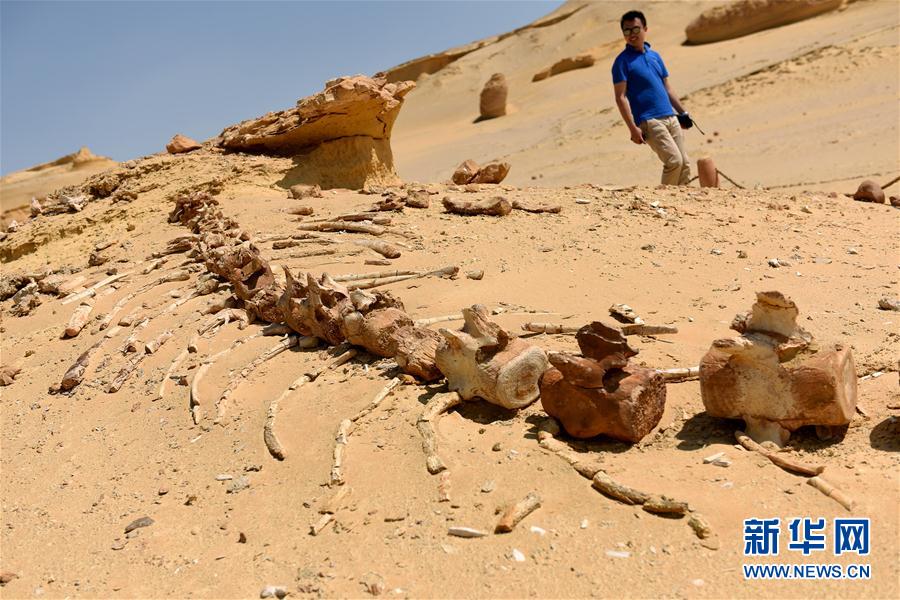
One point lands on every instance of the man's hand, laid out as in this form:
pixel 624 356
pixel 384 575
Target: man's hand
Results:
pixel 637 136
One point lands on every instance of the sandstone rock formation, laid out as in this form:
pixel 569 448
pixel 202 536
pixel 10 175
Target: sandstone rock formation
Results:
pixel 601 393
pixel 340 136
pixel 493 97
pixel 773 377
pixel 743 17
pixel 582 61
pixel 483 361
pixel 181 143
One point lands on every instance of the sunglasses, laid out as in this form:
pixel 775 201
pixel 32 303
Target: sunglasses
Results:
pixel 632 30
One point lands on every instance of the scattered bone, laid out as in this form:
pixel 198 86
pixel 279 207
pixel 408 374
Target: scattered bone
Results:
pixel 436 407
pixel 321 524
pixel 700 525
pixel 170 371
pixel 311 253
pixel 536 208
pixel 482 360
pixel 8 374
pixel 377 261
pixel 662 505
pixel 680 374
pixel 442 319
pixel 832 492
pixel 550 328
pixel 375 275
pixel 346 428
pixel 445 486
pixel 285 344
pixel 772 378
pixel 276 449
pixel 335 502
pixel 372 217
pixel 616 490
pixel 125 373
pixel 383 248
pixel 78 320
pixel 644 329
pixel 25 300
pixel 302 211
pixel 91 291
pixel 342 226
pixel 154 344
pixel 445 272
pixel 153 265
pixel 782 461
pixel 518 511
pixel 497 206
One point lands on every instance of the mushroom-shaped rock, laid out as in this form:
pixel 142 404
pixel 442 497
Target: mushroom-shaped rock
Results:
pixel 482 361
pixel 340 136
pixel 735 19
pixel 869 191
pixel 181 143
pixel 493 97
pixel 774 377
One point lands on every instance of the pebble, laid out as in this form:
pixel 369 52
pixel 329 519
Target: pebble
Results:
pixel 582 201
pixel 477 275
pixel 162 491
pixel 822 260
pixel 742 254
pixel 497 447
pixel 117 544
pixel 488 486
pixel 716 251
pixel 517 555
pixel 239 484
pixel 224 477
pixel 466 532
pixel 242 538
pixel 618 554
pixel 538 530
pixel 273 591
pixel 852 251
pixel 584 524
pixel 137 523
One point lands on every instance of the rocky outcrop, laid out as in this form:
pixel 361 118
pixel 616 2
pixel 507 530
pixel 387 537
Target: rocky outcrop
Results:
pixel 582 61
pixel 180 144
pixel 736 19
pixel 774 377
pixel 600 393
pixel 340 136
pixel 492 102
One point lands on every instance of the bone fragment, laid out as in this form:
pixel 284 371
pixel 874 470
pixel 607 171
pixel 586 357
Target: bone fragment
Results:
pixel 342 226
pixel 495 207
pixel 91 291
pixel 680 374
pixel 832 492
pixel 346 428
pixel 437 406
pixel 75 374
pixel 518 511
pixel 450 271
pixel 79 319
pixel 536 208
pixel 154 344
pixel 175 364
pixel 383 248
pixel 783 462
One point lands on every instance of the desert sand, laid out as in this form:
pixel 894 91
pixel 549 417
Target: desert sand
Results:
pixel 803 113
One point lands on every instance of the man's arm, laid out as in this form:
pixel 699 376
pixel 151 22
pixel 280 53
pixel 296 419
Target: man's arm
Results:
pixel 673 97
pixel 625 110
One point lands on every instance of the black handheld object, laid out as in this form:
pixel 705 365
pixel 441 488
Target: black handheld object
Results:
pixel 684 119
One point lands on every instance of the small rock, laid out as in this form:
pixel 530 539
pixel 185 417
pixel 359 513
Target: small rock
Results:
pixel 852 251
pixel 242 538
pixel 716 251
pixel 775 263
pixel 476 275
pixel 889 304
pixel 12 227
pixel 806 209
pixel 582 201
pixel 373 583
pixel 181 143
pixel 618 553
pixel 162 491
pixel 273 591
pixel 869 191
pixel 118 544
pixel 584 524
pixel 224 477
pixel 497 447
pixel 239 484
pixel 466 532
pixel 742 254
pixel 138 523
pixel 822 260
pixel 517 555
pixel 538 530
pixel 301 191
pixel 6 577
pixel 488 486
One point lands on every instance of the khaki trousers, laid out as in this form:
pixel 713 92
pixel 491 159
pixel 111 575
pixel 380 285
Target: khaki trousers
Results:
pixel 665 137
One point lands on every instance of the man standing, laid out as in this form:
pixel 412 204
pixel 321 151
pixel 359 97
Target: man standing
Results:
pixel 646 101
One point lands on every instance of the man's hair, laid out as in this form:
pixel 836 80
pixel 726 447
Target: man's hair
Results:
pixel 631 15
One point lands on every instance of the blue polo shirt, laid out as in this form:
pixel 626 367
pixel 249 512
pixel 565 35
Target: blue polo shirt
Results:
pixel 644 72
